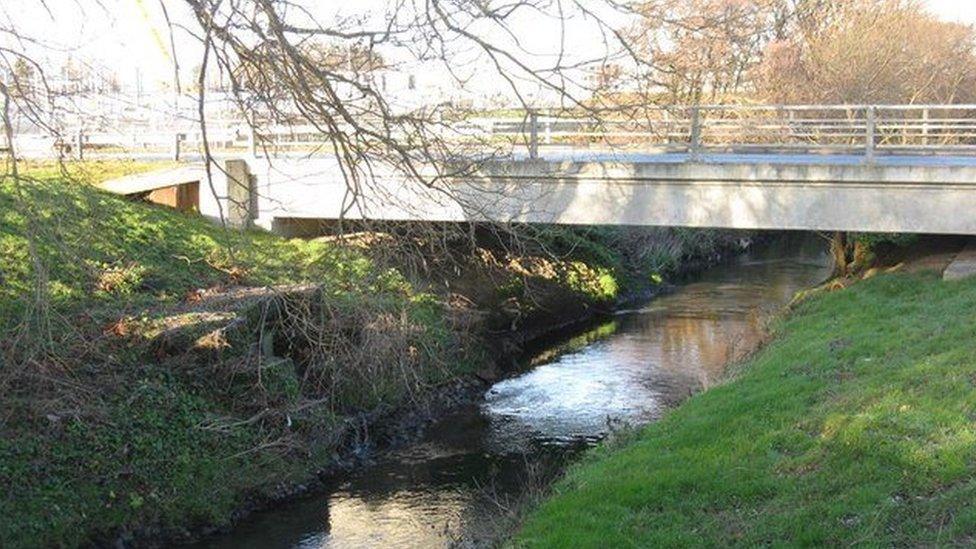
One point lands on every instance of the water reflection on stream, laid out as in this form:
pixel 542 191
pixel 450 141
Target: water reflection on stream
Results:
pixel 629 369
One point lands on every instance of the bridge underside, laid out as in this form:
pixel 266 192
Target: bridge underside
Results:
pixel 901 196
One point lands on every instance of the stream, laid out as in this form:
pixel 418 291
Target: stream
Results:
pixel 571 391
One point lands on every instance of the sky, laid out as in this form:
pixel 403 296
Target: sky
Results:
pixel 963 11
pixel 130 36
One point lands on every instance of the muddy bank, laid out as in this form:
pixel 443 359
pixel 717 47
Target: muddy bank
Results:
pixel 523 289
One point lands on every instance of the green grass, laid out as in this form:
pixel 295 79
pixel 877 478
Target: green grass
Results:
pixel 84 235
pixel 102 434
pixel 857 424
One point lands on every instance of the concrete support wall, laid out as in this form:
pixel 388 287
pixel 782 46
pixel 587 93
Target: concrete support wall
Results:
pixel 241 199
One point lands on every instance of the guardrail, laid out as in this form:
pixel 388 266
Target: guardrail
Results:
pixel 865 130
pixel 838 129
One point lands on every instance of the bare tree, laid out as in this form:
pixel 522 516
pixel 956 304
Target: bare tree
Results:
pixel 285 68
pixel 293 76
pixel 26 98
pixel 702 50
pixel 871 51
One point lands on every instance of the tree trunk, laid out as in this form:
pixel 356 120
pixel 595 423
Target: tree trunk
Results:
pixel 839 251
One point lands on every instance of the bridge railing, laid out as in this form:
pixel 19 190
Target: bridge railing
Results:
pixel 864 130
pixel 828 129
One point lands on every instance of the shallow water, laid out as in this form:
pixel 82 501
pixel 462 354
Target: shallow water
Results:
pixel 627 369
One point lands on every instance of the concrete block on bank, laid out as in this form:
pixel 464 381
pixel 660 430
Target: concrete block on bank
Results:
pixel 964 264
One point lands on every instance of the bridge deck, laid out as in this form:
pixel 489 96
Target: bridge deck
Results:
pixel 924 194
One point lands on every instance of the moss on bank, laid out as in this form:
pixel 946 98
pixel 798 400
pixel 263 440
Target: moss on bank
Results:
pixel 854 425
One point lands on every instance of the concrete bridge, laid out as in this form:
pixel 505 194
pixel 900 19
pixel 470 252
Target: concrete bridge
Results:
pixel 916 175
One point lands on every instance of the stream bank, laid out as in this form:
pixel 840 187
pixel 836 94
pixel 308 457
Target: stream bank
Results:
pixel 556 308
pixel 566 395
pixel 163 376
pixel 854 423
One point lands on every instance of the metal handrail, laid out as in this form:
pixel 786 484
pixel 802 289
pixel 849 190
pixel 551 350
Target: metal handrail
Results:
pixel 696 129
pixel 923 128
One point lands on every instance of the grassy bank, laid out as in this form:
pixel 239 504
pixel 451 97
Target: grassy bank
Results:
pixel 152 382
pixel 160 373
pixel 855 425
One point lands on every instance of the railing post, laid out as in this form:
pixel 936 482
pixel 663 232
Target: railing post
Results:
pixel 241 206
pixel 533 134
pixel 80 142
pixel 176 147
pixel 870 133
pixel 696 134
pixel 925 126
pixel 790 125
pixel 666 120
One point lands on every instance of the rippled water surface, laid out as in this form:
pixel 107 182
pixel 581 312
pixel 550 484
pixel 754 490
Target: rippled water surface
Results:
pixel 628 369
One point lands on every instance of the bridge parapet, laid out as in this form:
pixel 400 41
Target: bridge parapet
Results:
pixel 922 196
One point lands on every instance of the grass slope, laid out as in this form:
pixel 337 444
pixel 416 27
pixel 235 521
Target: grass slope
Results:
pixel 100 248
pixel 856 425
pixel 103 433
